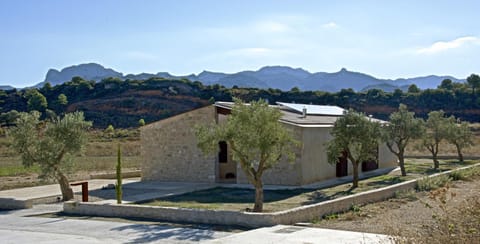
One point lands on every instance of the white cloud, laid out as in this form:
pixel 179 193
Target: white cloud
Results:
pixel 442 46
pixel 271 26
pixel 330 25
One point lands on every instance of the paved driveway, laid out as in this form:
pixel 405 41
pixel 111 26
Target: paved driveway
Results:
pixel 16 227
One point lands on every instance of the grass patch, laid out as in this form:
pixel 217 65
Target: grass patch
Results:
pixel 425 166
pixel 410 195
pixel 229 198
pixel 12 166
pixel 465 174
pixel 105 163
pixel 431 183
pixel 18 170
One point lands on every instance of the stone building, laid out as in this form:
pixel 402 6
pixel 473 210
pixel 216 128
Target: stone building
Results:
pixel 169 148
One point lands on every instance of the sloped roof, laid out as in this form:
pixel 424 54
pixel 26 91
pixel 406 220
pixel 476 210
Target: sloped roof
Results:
pixel 316 115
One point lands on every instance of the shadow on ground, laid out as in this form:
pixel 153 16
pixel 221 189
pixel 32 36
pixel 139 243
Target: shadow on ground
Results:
pixel 151 233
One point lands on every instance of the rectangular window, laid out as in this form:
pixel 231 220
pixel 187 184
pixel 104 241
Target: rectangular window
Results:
pixel 223 153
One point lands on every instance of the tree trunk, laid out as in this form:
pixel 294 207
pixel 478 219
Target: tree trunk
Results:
pixel 258 207
pixel 401 162
pixel 436 164
pixel 460 154
pixel 355 174
pixel 67 192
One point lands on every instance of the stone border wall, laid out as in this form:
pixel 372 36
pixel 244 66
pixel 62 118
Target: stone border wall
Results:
pixel 291 216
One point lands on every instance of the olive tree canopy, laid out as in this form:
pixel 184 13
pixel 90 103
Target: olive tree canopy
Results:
pixel 357 136
pixel 50 144
pixel 257 140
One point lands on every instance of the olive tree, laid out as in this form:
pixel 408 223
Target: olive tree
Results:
pixel 50 144
pixel 36 100
pixel 474 81
pixel 460 135
pixel 435 131
pixel 358 136
pixel 257 140
pixel 403 127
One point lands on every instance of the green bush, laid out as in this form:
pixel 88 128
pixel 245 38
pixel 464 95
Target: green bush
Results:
pixel 331 216
pixel 459 175
pixel 465 174
pixel 430 183
pixel 141 122
pixel 109 129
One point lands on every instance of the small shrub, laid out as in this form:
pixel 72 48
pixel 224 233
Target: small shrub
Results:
pixel 431 183
pixel 141 122
pixel 458 175
pixel 316 220
pixel 409 194
pixel 355 208
pixel 109 129
pixel 331 216
pixel 465 174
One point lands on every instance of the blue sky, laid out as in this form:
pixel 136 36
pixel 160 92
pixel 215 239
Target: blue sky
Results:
pixel 387 39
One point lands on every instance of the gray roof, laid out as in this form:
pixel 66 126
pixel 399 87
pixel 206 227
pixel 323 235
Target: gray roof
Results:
pixel 321 115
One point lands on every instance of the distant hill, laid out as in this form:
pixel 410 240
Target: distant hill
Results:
pixel 6 87
pixel 278 77
pixel 90 71
pixel 122 103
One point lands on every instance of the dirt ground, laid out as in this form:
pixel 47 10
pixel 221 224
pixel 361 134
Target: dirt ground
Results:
pixel 409 216
pixel 29 180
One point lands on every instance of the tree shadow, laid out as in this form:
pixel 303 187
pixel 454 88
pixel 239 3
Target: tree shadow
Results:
pixel 319 196
pixel 152 233
pixel 385 182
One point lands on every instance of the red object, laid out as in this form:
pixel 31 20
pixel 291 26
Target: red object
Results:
pixel 84 185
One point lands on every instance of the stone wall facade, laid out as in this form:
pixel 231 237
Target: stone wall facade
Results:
pixel 169 149
pixel 170 153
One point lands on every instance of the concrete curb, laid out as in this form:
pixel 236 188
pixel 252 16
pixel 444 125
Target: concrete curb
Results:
pixel 129 174
pixel 291 216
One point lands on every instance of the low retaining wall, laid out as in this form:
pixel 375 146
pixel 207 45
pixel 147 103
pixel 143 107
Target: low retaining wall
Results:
pixel 12 204
pixel 291 216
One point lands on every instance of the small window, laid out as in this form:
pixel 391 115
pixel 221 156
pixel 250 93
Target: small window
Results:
pixel 222 154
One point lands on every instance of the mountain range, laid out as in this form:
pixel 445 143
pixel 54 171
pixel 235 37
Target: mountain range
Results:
pixel 278 77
